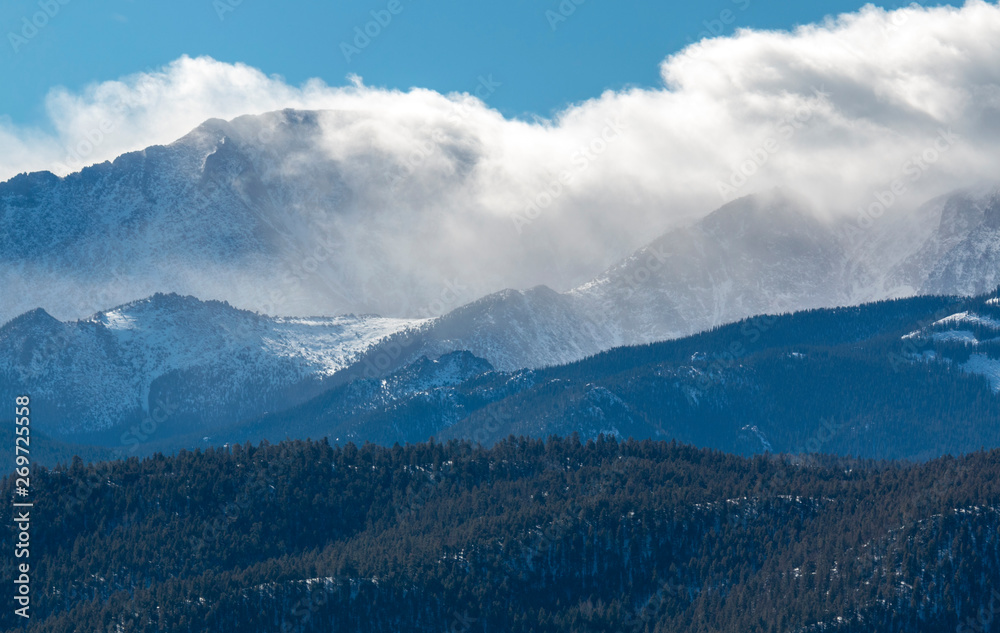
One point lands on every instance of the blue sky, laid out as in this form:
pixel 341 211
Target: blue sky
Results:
pixel 543 64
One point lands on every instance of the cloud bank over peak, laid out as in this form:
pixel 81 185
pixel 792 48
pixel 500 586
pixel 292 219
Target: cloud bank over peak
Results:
pixel 904 101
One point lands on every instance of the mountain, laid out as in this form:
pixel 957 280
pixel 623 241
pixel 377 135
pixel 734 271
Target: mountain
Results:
pixel 244 209
pixel 512 329
pixel 973 265
pixel 560 536
pixel 268 212
pixel 758 255
pixel 261 211
pixel 171 364
pixel 762 254
pixel 910 378
pixel 407 406
pixel 905 379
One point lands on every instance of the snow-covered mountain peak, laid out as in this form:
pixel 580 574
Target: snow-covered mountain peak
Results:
pixel 118 363
pixel 764 214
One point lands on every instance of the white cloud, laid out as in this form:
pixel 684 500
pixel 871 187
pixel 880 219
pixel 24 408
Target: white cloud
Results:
pixel 835 111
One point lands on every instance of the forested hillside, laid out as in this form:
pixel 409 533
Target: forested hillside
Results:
pixel 525 536
pixel 911 379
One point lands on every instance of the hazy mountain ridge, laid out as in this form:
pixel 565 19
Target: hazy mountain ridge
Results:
pixel 911 378
pixel 205 363
pixel 856 381
pixel 241 204
pixel 973 265
pixel 754 256
pixel 231 211
pixel 758 255
pixel 262 212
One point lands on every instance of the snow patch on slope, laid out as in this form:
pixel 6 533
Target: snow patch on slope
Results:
pixel 328 345
pixel 985 366
pixel 969 319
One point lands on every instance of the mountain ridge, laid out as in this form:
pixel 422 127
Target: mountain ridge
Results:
pixel 767 383
pixel 255 211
